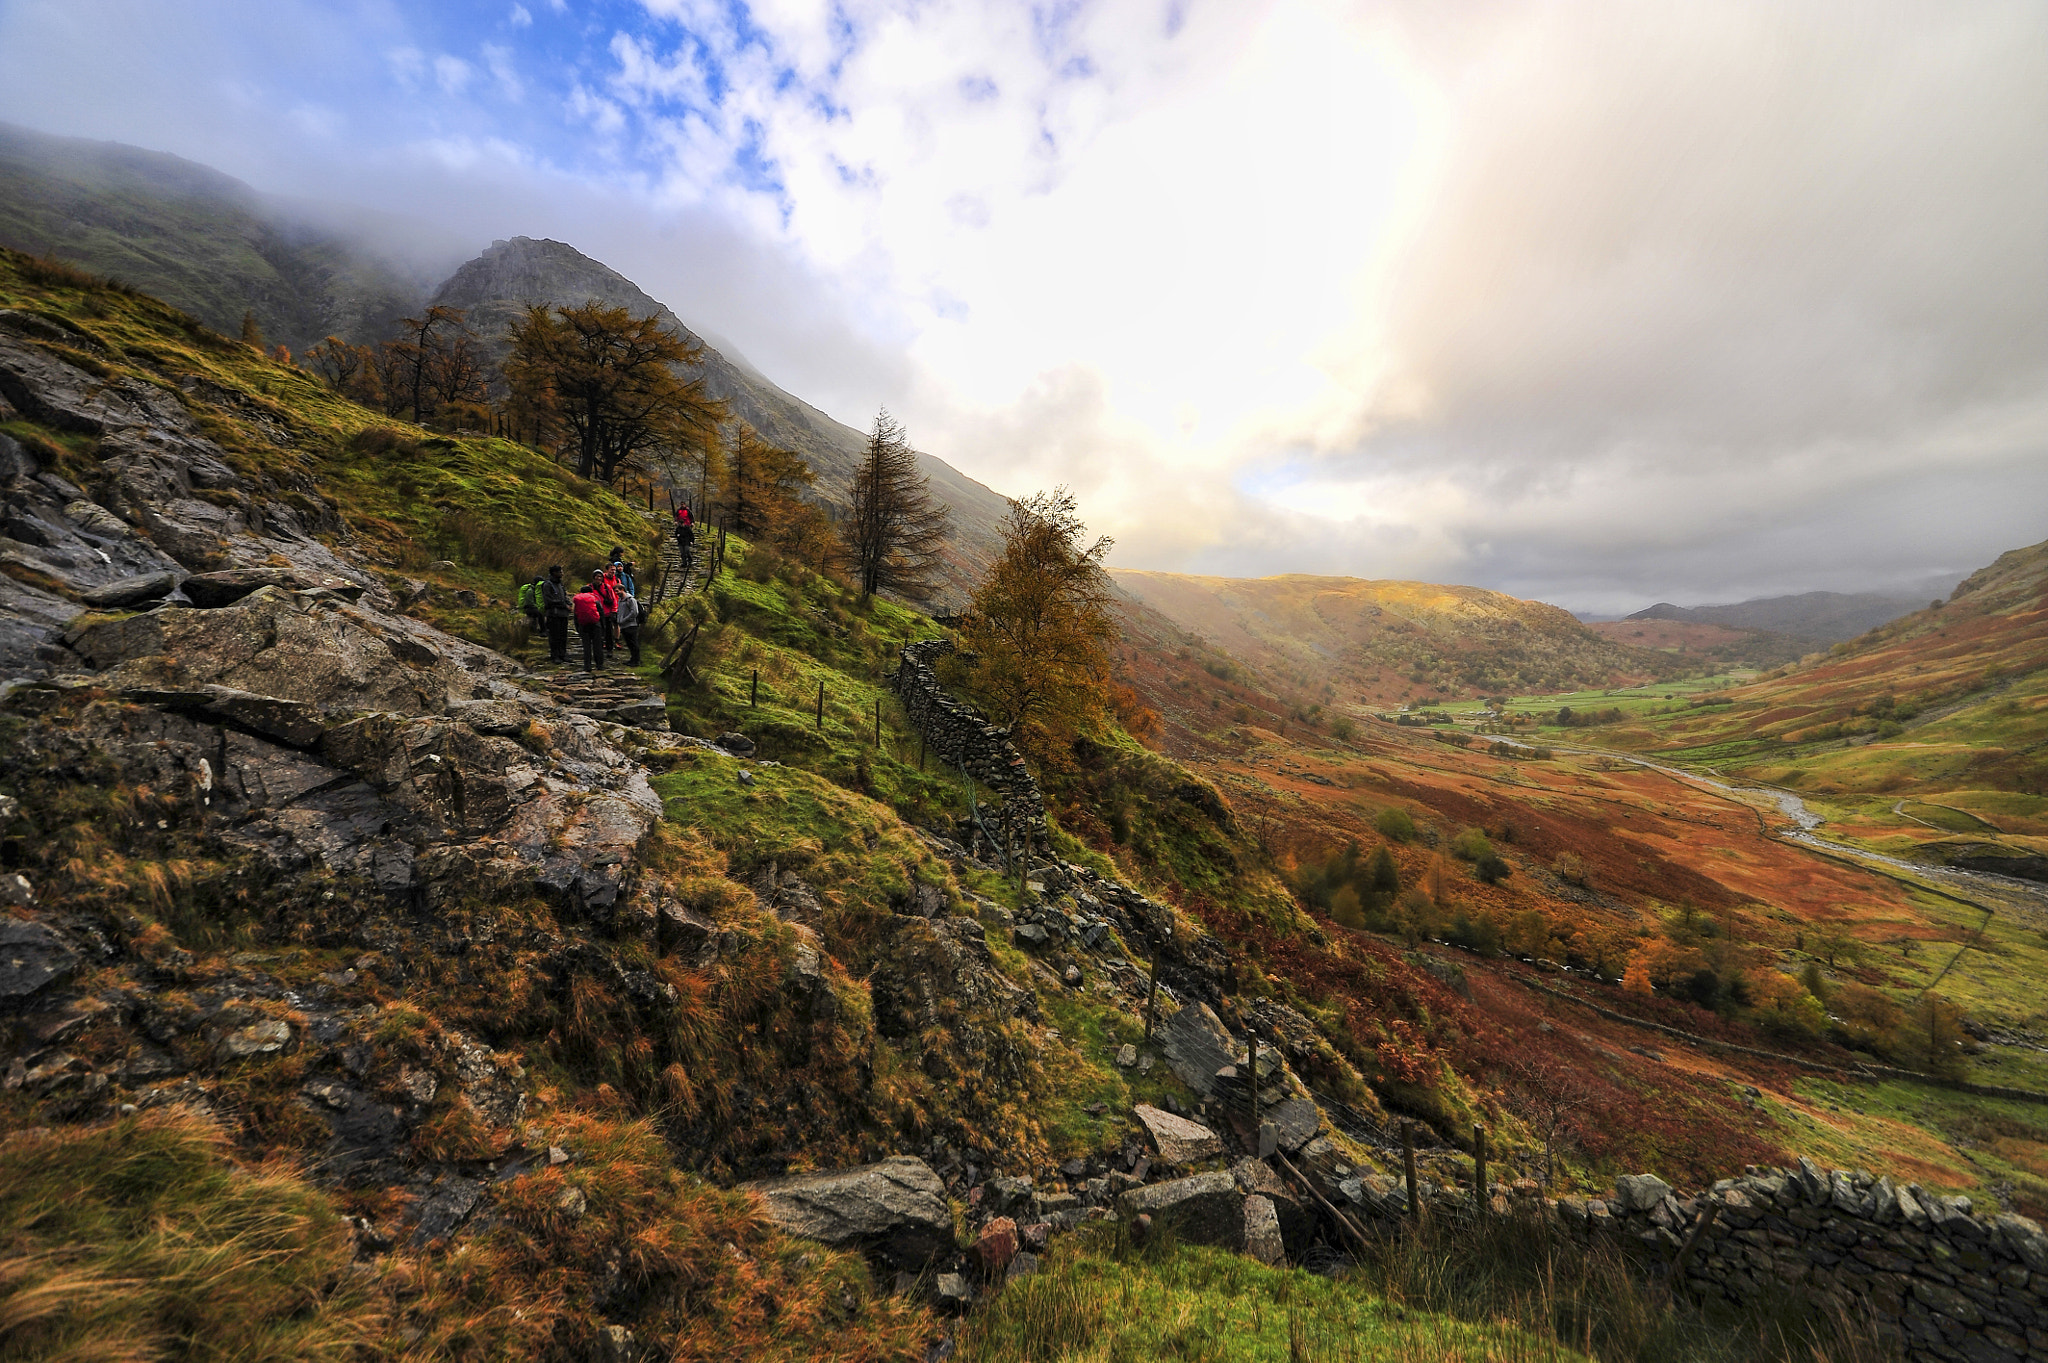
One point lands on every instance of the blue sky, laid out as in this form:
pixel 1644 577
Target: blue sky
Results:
pixel 1598 304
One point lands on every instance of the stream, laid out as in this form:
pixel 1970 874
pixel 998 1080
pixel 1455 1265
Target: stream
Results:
pixel 2005 892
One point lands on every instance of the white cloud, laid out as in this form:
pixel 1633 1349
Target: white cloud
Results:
pixel 1587 302
pixel 504 70
pixel 452 74
pixel 521 17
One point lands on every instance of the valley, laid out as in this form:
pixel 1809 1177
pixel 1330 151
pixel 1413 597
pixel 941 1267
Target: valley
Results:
pixel 548 1008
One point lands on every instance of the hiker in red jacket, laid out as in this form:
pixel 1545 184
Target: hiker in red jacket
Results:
pixel 590 625
pixel 686 535
pixel 605 583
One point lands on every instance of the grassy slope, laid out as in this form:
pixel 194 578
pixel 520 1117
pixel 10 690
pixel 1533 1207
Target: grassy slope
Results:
pixel 196 238
pixel 1344 640
pixel 411 500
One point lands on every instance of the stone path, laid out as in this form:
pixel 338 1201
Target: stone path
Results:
pixel 614 694
pixel 672 581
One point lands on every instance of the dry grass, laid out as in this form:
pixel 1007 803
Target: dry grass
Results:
pixel 141 1240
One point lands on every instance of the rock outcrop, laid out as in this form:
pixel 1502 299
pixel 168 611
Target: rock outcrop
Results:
pixel 895 1210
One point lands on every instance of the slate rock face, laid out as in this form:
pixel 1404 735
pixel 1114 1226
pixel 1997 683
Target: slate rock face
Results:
pixel 1178 1140
pixel 895 1209
pixel 129 591
pixel 208 591
pixel 1197 1045
pixel 1295 1123
pixel 31 956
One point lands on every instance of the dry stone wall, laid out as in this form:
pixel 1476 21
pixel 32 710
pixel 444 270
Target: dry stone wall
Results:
pixel 1944 1282
pixel 963 738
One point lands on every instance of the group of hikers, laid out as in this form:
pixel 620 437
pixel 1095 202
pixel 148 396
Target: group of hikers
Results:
pixel 606 612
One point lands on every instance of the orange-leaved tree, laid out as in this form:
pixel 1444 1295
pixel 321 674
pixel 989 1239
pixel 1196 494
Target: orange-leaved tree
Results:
pixel 609 380
pixel 1040 625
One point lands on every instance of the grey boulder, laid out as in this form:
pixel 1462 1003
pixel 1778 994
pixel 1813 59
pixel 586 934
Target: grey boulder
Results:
pixel 1206 1209
pixel 1178 1140
pixel 895 1210
pixel 1640 1192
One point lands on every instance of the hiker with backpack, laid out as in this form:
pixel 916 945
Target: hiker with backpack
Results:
pixel 686 535
pixel 557 608
pixel 590 625
pixel 529 602
pixel 629 623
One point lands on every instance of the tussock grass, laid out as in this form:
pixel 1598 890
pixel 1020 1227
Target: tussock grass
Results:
pixel 1103 1300
pixel 1600 1300
pixel 140 1240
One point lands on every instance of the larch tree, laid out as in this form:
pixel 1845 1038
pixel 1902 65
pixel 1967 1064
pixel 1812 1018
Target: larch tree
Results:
pixel 764 484
pixel 608 380
pixel 1041 624
pixel 896 528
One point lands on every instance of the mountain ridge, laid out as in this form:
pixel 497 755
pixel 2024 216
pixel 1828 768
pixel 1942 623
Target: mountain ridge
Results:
pixel 496 287
pixel 198 238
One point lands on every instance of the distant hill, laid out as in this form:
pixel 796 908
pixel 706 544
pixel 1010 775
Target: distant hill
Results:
pixel 1383 642
pixel 1952 698
pixel 497 286
pixel 200 240
pixel 1719 645
pixel 1823 617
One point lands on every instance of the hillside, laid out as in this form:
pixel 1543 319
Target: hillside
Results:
pixel 495 288
pixel 215 248
pixel 373 988
pixel 1345 641
pixel 1927 736
pixel 200 240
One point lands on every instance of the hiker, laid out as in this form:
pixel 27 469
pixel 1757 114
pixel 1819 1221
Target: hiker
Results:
pixel 530 604
pixel 629 583
pixel 629 624
pixel 686 535
pixel 605 583
pixel 590 625
pixel 556 606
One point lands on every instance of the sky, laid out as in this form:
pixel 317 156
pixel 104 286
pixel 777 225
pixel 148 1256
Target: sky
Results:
pixel 1599 304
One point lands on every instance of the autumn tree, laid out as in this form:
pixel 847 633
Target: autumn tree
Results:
pixel 435 364
pixel 764 483
pixel 896 528
pixel 608 380
pixel 349 370
pixel 1041 623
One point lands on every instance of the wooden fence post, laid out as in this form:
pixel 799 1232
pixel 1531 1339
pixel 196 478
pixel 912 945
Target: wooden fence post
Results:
pixel 1408 1167
pixel 1479 1166
pixel 821 705
pixel 1252 1081
pixel 754 691
pixel 1152 993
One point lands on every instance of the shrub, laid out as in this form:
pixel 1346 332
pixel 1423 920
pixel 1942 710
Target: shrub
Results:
pixel 1394 824
pixel 1471 845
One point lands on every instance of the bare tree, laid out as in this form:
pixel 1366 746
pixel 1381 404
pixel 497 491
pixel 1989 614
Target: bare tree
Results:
pixel 1552 1096
pixel 897 528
